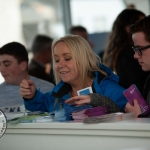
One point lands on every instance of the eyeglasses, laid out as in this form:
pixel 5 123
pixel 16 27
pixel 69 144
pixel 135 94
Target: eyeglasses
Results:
pixel 139 50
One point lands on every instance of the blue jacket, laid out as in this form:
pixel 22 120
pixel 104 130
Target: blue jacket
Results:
pixel 54 100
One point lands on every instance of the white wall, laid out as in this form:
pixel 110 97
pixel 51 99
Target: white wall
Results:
pixel 11 24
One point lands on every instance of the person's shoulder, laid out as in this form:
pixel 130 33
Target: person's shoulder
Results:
pixel 42 85
pixel 41 82
pixel 106 69
pixel 126 52
pixel 3 84
pixel 110 74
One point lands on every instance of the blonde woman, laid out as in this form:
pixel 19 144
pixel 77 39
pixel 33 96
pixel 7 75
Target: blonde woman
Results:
pixel 75 66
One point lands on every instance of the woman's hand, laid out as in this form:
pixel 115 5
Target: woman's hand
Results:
pixel 27 89
pixel 136 108
pixel 79 100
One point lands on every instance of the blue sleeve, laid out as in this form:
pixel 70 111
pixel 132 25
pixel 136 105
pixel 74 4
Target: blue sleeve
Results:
pixel 114 91
pixel 41 102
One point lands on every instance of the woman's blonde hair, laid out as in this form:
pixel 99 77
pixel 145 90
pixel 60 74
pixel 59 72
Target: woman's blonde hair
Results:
pixel 84 58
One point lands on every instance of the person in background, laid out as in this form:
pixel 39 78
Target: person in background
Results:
pixel 14 68
pixel 82 31
pixel 119 55
pixel 141 37
pixel 41 48
pixel 75 66
pixel 131 6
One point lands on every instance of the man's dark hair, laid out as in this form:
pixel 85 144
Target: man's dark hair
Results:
pixel 142 25
pixel 77 28
pixel 15 49
pixel 40 43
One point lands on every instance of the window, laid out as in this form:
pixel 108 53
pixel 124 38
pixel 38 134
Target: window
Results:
pixel 95 15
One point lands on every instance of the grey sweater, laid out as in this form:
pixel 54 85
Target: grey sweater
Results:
pixel 10 94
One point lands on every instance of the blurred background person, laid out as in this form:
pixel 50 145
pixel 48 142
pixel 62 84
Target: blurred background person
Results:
pixel 41 65
pixel 119 54
pixel 82 31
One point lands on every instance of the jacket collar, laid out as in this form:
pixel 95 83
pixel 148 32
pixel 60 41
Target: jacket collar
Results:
pixel 61 89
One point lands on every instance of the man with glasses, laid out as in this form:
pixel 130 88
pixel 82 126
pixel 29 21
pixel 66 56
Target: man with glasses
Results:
pixel 140 49
pixel 141 37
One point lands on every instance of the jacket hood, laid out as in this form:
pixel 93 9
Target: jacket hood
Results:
pixel 110 73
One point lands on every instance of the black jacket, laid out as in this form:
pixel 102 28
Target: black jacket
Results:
pixel 129 70
pixel 38 70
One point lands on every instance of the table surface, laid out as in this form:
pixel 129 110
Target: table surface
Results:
pixel 133 133
pixel 131 124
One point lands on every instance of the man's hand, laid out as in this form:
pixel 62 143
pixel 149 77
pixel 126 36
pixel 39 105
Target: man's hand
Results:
pixel 136 108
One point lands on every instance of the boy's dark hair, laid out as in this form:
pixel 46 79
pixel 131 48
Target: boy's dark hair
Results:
pixel 15 49
pixel 142 25
pixel 77 28
pixel 40 43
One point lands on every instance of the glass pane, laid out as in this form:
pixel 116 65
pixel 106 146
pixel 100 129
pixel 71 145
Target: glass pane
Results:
pixel 95 15
pixel 42 17
pixel 22 20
